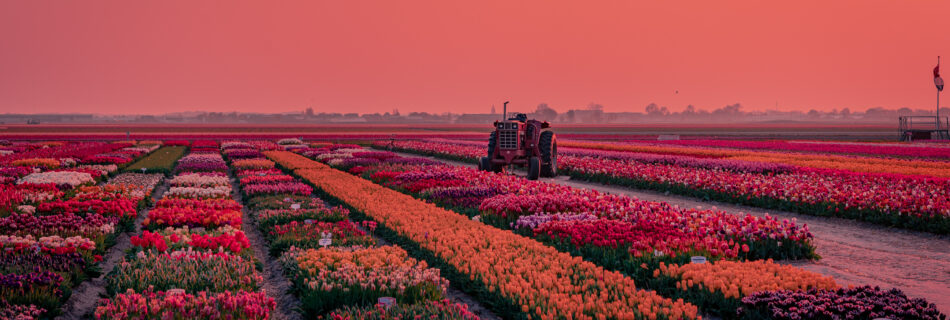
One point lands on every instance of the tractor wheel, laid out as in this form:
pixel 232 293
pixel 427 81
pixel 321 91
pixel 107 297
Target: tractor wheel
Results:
pixel 534 168
pixel 484 164
pixel 491 143
pixel 547 145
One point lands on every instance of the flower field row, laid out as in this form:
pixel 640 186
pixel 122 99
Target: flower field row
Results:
pixel 902 201
pixel 527 277
pixel 914 202
pixel 818 161
pixel 41 154
pixel 509 201
pixel 69 164
pixel 204 161
pixel 192 261
pixel 880 149
pixel 55 222
pixel 656 254
pixel 345 276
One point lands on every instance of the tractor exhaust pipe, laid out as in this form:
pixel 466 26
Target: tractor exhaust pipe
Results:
pixel 504 114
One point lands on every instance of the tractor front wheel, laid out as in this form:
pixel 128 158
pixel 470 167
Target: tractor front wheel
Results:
pixel 547 146
pixel 534 168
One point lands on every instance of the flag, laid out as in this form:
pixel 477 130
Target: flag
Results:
pixel 938 81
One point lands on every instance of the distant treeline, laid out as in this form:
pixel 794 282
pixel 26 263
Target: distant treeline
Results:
pixel 593 113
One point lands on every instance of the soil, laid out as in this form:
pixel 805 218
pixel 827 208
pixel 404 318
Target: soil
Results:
pixel 275 283
pixel 853 252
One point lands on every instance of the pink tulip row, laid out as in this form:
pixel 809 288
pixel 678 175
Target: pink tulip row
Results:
pixel 455 149
pixel 78 150
pixel 277 188
pixel 892 150
pixel 202 162
pixel 176 304
pixel 914 202
pixel 905 195
pixel 511 197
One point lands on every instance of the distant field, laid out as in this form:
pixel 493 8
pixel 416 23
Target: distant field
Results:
pixel 470 131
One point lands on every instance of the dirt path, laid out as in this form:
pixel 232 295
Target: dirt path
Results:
pixel 275 283
pixel 83 300
pixel 853 252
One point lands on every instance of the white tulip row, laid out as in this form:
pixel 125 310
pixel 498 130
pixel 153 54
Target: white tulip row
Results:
pixel 199 192
pixel 199 180
pixel 58 178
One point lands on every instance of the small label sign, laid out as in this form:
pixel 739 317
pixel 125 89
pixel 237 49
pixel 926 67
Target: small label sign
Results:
pixel 387 301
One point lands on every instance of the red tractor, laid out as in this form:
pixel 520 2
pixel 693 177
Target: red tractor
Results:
pixel 523 142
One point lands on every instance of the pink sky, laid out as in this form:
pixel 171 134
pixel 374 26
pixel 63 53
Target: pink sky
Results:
pixel 437 56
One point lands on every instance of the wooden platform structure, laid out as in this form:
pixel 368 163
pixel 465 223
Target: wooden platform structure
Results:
pixel 924 128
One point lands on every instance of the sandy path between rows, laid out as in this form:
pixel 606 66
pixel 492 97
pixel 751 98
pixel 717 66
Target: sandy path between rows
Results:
pixel 853 252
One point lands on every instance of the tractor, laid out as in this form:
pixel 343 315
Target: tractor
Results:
pixel 523 142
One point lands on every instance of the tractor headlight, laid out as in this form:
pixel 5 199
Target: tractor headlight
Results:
pixel 501 126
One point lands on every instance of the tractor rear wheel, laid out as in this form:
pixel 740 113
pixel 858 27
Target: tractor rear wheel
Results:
pixel 547 146
pixel 534 168
pixel 491 143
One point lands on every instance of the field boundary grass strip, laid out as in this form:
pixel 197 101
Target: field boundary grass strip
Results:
pixel 159 161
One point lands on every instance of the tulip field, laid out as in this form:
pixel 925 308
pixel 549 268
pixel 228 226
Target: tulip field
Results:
pixel 318 229
pixel 911 193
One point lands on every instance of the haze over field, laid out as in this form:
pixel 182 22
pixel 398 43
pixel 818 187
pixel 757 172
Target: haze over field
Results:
pixel 117 57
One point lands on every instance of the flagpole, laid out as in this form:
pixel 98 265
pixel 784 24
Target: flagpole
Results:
pixel 938 102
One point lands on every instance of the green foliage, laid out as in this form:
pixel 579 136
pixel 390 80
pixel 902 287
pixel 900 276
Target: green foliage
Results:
pixel 160 161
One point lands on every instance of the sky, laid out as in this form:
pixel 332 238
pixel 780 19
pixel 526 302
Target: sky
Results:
pixel 152 57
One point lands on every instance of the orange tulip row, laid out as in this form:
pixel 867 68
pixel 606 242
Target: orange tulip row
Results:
pixel 545 283
pixel 823 161
pixel 737 279
pixel 855 164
